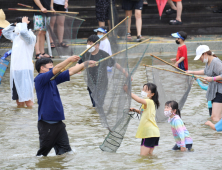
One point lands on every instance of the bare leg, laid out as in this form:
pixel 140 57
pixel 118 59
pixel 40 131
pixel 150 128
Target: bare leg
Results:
pixel 151 151
pixel 42 41
pixel 209 123
pixel 138 16
pixel 179 11
pixel 216 111
pixel 60 27
pixel 129 13
pixel 29 104
pixel 37 51
pixel 101 24
pixel 20 104
pixel 52 23
pixel 144 151
pixel 170 2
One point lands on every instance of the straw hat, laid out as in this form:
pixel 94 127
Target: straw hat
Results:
pixel 3 22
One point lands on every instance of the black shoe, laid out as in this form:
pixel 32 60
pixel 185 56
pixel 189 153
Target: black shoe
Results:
pixel 175 22
pixel 170 11
pixel 139 38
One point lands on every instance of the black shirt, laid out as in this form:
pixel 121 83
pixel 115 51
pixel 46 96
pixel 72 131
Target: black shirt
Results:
pixel 45 3
pixel 98 74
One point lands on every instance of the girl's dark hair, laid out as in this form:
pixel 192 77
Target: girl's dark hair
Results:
pixel 174 105
pixel 210 53
pixel 153 88
pixel 42 62
pixel 19 20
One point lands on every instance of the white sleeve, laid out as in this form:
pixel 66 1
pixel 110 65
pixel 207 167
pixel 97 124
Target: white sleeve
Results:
pixel 26 35
pixel 107 47
pixel 8 32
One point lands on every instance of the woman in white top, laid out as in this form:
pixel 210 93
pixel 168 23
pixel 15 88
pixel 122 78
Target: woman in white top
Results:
pixel 21 68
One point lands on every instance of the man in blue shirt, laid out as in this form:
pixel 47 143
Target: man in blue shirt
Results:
pixel 52 132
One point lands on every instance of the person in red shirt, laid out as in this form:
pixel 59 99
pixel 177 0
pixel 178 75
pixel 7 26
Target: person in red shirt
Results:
pixel 181 60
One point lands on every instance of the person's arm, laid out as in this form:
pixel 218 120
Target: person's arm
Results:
pixel 178 125
pixel 138 99
pixel 179 61
pixel 28 37
pixel 121 69
pixel 217 69
pixel 8 32
pixel 66 4
pixel 78 67
pixel 134 110
pixel 38 3
pixel 200 72
pixel 51 6
pixel 63 64
pixel 202 86
pixel 135 97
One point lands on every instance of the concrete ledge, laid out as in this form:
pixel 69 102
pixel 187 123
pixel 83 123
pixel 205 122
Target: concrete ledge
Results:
pixel 160 46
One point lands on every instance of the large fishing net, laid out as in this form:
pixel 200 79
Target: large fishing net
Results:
pixel 112 102
pixel 63 30
pixel 170 86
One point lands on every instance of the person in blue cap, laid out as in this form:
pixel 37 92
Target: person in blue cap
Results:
pixel 181 60
pixel 104 43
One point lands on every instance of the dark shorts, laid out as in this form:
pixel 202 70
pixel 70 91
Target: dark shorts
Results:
pixel 188 146
pixel 129 5
pixel 150 142
pixel 57 7
pixel 218 98
pixel 53 136
pixel 14 92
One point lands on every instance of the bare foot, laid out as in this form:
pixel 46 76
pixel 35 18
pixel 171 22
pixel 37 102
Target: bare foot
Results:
pixel 208 123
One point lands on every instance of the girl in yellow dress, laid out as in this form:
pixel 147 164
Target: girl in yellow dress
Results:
pixel 148 130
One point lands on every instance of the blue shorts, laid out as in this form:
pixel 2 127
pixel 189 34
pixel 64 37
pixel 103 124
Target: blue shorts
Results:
pixel 218 126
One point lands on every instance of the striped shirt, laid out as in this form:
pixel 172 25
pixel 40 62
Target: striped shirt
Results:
pixel 180 133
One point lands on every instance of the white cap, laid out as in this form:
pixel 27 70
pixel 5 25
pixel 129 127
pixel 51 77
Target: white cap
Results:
pixel 200 50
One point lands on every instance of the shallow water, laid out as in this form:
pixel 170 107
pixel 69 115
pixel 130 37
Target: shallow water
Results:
pixel 19 135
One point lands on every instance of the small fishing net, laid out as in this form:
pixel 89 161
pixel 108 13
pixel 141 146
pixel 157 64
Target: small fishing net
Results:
pixel 63 30
pixel 3 67
pixel 112 102
pixel 170 86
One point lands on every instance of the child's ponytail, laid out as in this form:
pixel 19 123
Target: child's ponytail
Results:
pixel 153 88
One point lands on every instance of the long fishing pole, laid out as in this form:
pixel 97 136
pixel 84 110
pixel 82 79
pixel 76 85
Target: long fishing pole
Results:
pixel 168 63
pixel 27 6
pixel 178 68
pixel 88 48
pixel 35 10
pixel 104 59
pixel 202 78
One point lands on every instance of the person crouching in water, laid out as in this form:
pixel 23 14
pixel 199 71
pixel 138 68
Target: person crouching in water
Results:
pixel 180 133
pixel 148 129
pixel 21 68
